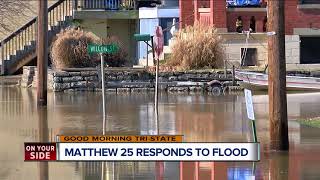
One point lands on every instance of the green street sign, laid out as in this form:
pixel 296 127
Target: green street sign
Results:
pixel 142 37
pixel 105 48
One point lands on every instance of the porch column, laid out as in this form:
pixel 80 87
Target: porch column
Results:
pixel 259 25
pixel 186 12
pixel 196 10
pixel 220 14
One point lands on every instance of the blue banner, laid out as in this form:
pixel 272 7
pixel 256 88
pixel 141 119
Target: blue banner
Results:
pixel 243 2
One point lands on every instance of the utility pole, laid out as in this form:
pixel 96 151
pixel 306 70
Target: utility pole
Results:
pixel 42 53
pixel 278 116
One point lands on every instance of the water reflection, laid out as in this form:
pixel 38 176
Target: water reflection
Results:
pixel 198 117
pixel 43 137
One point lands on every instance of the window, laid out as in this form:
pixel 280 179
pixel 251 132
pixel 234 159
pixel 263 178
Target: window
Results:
pixel 167 23
pixel 249 56
pixel 309 50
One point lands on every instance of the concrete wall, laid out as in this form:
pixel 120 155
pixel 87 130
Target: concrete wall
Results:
pixel 124 29
pixel 126 80
pixel 292 49
pixel 234 42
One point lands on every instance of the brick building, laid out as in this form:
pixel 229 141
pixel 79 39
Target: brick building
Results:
pixel 302 28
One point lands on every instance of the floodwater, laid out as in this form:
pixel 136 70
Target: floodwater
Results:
pixel 200 118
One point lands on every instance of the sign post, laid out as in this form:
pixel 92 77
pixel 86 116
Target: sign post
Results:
pixel 103 95
pixel 158 46
pixel 250 112
pixel 109 48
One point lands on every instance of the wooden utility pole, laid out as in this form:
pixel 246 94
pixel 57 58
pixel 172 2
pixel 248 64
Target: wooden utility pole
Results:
pixel 278 116
pixel 42 54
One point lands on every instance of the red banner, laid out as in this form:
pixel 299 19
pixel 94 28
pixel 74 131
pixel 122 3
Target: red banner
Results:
pixel 40 151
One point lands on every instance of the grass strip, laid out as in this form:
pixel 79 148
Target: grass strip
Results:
pixel 313 122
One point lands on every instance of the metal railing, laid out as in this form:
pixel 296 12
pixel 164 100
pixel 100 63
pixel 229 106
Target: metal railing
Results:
pixel 23 40
pixel 106 4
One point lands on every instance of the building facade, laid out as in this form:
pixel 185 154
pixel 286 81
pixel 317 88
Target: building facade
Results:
pixel 302 28
pixel 149 18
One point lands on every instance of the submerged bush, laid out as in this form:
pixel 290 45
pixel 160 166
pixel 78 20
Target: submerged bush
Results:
pixel 70 49
pixel 197 46
pixel 119 58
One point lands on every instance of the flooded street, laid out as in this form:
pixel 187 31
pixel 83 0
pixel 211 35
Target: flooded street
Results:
pixel 200 118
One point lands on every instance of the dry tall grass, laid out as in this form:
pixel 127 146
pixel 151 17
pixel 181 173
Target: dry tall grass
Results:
pixel 70 49
pixel 119 58
pixel 197 46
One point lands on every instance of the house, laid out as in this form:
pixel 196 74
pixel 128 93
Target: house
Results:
pixel 302 29
pixel 124 18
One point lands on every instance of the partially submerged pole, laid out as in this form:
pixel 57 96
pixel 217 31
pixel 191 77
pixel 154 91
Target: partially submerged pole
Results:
pixel 104 120
pixel 277 77
pixel 103 95
pixel 42 53
pixel 42 113
pixel 156 103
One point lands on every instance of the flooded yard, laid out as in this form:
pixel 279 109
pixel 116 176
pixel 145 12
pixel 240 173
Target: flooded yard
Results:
pixel 199 117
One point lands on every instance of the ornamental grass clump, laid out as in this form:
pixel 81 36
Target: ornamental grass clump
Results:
pixel 197 46
pixel 70 49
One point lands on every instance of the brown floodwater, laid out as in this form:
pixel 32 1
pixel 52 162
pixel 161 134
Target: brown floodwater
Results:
pixel 199 117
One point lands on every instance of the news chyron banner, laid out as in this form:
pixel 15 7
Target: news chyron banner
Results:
pixel 138 148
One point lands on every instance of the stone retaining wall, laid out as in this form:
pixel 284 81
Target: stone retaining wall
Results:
pixel 126 80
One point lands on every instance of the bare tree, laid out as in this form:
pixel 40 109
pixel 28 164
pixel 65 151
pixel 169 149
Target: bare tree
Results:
pixel 14 13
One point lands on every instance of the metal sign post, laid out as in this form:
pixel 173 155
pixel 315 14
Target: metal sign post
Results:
pixel 250 114
pixel 158 41
pixel 104 110
pixel 109 48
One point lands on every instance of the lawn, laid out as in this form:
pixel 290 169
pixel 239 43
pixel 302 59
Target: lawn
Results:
pixel 314 122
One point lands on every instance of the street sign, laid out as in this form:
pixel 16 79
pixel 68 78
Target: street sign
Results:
pixel 158 41
pixel 249 104
pixel 272 33
pixel 105 48
pixel 142 37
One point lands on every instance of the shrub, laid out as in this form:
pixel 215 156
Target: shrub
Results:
pixel 197 46
pixel 70 49
pixel 119 58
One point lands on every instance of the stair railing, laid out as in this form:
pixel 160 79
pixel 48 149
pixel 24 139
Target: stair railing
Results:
pixel 26 34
